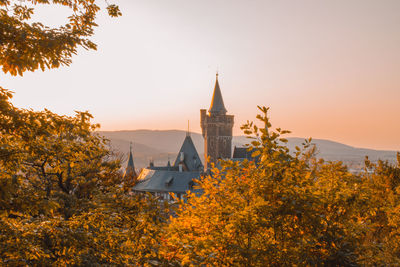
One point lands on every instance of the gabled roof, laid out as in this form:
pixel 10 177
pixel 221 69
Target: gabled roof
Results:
pixel 217 103
pixel 191 159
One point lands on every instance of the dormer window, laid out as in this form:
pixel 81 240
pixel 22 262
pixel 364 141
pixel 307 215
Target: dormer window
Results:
pixel 169 181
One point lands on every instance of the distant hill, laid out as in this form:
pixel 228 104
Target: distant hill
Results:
pixel 151 144
pixel 161 145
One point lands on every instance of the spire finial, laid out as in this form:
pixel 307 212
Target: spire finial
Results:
pixel 216 74
pixel 130 147
pixel 217 104
pixel 188 130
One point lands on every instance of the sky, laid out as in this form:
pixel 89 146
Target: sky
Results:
pixel 326 69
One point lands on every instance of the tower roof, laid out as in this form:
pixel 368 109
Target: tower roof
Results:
pixel 191 158
pixel 130 168
pixel 217 103
pixel 130 161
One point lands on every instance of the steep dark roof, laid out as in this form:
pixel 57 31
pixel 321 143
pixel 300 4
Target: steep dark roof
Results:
pixel 191 159
pixel 130 168
pixel 217 103
pixel 165 181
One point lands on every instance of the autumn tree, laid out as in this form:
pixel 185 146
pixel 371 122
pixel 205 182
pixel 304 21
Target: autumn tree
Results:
pixel 281 209
pixel 35 143
pixel 50 166
pixel 28 46
pixel 61 197
pixel 381 213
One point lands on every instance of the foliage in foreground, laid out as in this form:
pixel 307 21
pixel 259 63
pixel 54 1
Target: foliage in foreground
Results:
pixel 63 201
pixel 62 197
pixel 288 209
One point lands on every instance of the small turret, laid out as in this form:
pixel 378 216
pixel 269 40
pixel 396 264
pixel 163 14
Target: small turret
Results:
pixel 130 168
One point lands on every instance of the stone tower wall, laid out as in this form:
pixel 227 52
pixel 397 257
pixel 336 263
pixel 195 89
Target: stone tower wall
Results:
pixel 217 133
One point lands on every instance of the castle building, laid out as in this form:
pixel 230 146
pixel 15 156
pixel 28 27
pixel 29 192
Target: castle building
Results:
pixel 216 128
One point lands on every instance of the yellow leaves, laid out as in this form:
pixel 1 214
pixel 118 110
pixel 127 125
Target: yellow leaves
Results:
pixel 113 11
pixel 278 211
pixel 278 203
pixel 33 45
pixel 186 260
pixel 256 153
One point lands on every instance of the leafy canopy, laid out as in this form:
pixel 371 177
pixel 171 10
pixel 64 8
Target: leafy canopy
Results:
pixel 63 201
pixel 287 208
pixel 62 196
pixel 28 46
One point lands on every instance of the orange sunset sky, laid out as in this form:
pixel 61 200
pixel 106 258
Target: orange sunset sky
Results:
pixel 327 69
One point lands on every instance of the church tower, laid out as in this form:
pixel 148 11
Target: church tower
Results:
pixel 217 129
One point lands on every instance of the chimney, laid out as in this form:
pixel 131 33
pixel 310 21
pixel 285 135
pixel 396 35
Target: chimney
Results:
pixel 180 167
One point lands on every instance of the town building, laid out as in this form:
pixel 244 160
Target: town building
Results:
pixel 178 178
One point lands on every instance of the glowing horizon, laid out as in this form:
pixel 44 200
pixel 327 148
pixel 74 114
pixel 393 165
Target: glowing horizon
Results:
pixel 327 70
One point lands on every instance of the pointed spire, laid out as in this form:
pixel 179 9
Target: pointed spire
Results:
pixel 130 168
pixel 188 130
pixel 130 160
pixel 217 103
